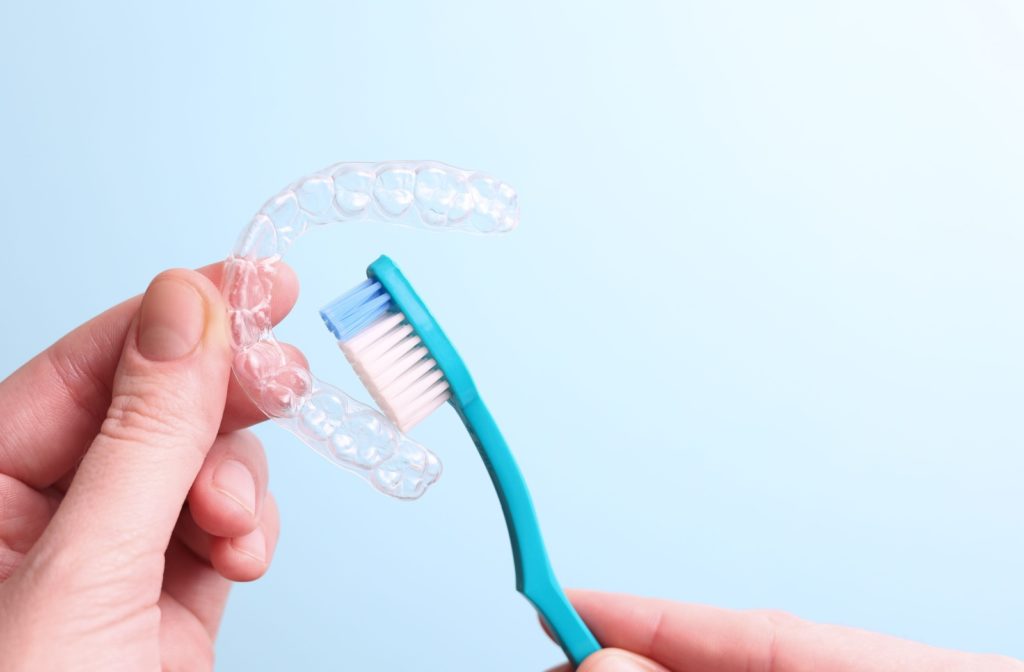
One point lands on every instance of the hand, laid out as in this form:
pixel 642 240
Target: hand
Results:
pixel 103 438
pixel 658 636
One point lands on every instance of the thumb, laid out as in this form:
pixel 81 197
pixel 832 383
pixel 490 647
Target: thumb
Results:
pixel 166 405
pixel 617 660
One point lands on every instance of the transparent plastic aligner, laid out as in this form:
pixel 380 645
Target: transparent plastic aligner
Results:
pixel 355 436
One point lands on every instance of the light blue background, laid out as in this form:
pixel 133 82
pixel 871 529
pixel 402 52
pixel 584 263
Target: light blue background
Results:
pixel 757 343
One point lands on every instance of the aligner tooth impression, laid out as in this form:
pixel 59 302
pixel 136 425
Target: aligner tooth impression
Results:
pixel 345 431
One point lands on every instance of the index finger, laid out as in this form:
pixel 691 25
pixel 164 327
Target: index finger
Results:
pixel 699 637
pixel 54 404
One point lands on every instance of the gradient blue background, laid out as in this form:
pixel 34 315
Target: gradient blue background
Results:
pixel 757 342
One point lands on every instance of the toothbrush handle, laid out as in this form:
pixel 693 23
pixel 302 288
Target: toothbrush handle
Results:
pixel 534 576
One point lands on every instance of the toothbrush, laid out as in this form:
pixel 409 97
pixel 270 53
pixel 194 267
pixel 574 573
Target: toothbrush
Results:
pixel 411 369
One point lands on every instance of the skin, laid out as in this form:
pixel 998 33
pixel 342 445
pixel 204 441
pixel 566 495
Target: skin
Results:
pixel 131 497
pixel 649 635
pixel 120 534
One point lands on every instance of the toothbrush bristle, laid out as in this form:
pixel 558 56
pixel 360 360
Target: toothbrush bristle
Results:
pixel 386 354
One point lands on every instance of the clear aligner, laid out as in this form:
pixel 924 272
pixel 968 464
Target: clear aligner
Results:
pixel 424 194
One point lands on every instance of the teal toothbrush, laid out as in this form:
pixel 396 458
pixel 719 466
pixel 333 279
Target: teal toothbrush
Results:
pixel 411 368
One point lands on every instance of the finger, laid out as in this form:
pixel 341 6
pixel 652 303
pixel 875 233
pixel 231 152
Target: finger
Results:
pixel 193 537
pixel 606 660
pixel 697 637
pixel 285 287
pixel 244 415
pixel 185 643
pixel 196 585
pixel 612 660
pixel 617 660
pixel 227 497
pixel 247 558
pixel 237 559
pixel 678 635
pixel 167 401
pixel 54 405
pixel 24 513
pixel 10 560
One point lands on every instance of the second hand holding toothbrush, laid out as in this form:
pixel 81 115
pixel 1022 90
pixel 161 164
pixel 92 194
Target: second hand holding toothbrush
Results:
pixel 410 368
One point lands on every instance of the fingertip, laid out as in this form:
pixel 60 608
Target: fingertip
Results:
pixel 228 495
pixel 285 289
pixel 247 557
pixel 210 314
pixel 293 355
pixel 581 593
pixel 585 601
pixel 287 282
pixel 285 292
pixel 200 281
pixel 243 558
pixel 236 484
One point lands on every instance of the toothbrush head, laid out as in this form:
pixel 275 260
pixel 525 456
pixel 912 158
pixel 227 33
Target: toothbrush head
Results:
pixel 396 347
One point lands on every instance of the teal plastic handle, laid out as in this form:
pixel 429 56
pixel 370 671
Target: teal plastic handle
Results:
pixel 534 577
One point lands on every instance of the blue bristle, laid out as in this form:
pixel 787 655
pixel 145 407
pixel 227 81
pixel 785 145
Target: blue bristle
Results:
pixel 356 309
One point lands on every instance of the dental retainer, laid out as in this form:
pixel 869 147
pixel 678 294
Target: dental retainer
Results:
pixel 348 433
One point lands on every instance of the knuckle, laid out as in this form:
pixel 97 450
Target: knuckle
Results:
pixel 58 569
pixel 765 653
pixel 144 412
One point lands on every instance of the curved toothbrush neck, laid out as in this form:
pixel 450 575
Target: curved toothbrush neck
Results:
pixel 534 576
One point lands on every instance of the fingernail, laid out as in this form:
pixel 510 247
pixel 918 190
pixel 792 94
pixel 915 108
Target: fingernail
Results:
pixel 622 662
pixel 253 544
pixel 234 480
pixel 171 320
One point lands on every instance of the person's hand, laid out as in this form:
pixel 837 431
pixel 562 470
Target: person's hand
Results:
pixel 103 438
pixel 647 635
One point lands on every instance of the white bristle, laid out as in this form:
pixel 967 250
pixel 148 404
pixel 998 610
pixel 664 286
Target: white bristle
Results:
pixel 398 366
pixel 419 415
pixel 382 345
pixel 408 409
pixel 391 384
pixel 377 363
pixel 374 331
pixel 413 393
pixel 397 370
